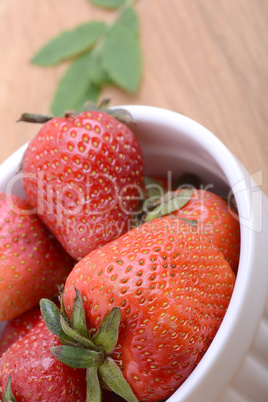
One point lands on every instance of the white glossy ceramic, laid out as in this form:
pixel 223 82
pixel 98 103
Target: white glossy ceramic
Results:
pixel 235 367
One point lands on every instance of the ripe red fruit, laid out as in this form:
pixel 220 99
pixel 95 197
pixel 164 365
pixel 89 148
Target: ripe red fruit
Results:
pixel 37 375
pixel 216 219
pixel 33 263
pixel 173 287
pixel 83 173
pixel 18 327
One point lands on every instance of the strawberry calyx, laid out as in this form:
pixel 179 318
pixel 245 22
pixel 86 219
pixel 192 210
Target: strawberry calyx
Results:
pixel 169 203
pixel 8 395
pixel 88 350
pixel 34 118
pixel 155 206
pixel 120 114
pixel 153 190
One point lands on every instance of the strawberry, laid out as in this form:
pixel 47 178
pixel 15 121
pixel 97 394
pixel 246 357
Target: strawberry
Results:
pixel 211 213
pixel 18 327
pixel 172 286
pixel 216 219
pixel 83 173
pixel 37 375
pixel 33 263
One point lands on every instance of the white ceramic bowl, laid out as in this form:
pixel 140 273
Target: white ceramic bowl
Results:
pixel 235 367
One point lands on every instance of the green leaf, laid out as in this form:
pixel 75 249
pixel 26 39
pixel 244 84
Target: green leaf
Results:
pixel 129 19
pixel 52 317
pixel 97 72
pixel 73 334
pixel 110 4
pixel 75 87
pixel 93 385
pixel 112 376
pixel 77 357
pixel 70 43
pixel 107 335
pixel 78 319
pixel 121 57
pixel 175 202
pixel 8 395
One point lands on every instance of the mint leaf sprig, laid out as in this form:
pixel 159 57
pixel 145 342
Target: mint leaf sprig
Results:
pixel 99 54
pixel 110 4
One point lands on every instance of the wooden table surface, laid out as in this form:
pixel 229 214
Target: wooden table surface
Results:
pixel 207 59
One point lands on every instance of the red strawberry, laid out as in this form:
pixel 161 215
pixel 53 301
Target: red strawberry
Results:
pixel 37 375
pixel 216 219
pixel 18 327
pixel 33 263
pixel 173 287
pixel 83 173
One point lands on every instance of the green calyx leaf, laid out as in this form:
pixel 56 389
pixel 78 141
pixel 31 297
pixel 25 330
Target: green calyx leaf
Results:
pixel 169 203
pixel 154 190
pixel 62 306
pixel 8 395
pixel 93 385
pixel 70 44
pixel 78 319
pixel 107 335
pixel 75 335
pixel 34 118
pixel 190 222
pixel 111 375
pixel 77 357
pixel 82 350
pixel 120 114
pixel 52 316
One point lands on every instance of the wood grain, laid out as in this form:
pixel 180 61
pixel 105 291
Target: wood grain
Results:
pixel 207 59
